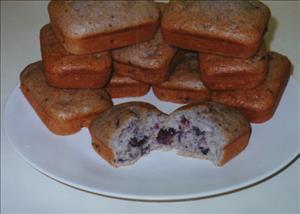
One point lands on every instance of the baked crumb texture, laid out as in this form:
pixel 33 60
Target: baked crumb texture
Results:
pixel 200 130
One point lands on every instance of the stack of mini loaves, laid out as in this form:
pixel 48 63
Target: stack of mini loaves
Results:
pixel 188 51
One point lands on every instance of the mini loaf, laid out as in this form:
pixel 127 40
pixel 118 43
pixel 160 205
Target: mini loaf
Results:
pixel 259 104
pixel 126 132
pixel 229 28
pixel 207 131
pixel 66 70
pixel 122 86
pixel 227 73
pixel 147 62
pixel 63 111
pixel 93 26
pixel 184 84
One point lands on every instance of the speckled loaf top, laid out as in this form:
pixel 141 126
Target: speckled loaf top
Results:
pixel 263 97
pixel 185 74
pixel 238 21
pixel 153 54
pixel 62 104
pixel 229 121
pixel 113 120
pixel 62 61
pixel 219 65
pixel 78 19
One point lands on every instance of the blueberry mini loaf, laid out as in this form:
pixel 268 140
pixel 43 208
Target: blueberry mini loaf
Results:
pixel 229 28
pixel 147 62
pixel 184 84
pixel 126 132
pixel 66 70
pixel 207 131
pixel 259 104
pixel 94 26
pixel 123 86
pixel 227 73
pixel 63 111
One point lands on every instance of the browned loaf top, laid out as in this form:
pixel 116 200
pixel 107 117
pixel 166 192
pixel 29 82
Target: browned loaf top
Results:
pixel 237 21
pixel 219 66
pixel 185 74
pixel 62 104
pixel 259 103
pixel 79 19
pixel 58 60
pixel 153 54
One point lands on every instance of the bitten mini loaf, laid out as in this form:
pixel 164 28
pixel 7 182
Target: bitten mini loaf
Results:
pixel 259 104
pixel 227 73
pixel 93 26
pixel 126 132
pixel 63 111
pixel 229 28
pixel 66 70
pixel 184 84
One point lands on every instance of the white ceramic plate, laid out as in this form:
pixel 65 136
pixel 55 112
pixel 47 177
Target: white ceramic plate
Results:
pixel 161 175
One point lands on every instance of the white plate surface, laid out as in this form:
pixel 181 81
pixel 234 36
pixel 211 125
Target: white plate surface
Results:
pixel 160 175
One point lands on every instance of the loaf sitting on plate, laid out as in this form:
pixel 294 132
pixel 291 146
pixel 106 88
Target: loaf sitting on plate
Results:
pixel 126 132
pixel 260 103
pixel 63 111
pixel 86 27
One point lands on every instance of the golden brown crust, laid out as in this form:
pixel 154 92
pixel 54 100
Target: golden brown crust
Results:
pixel 180 96
pixel 149 76
pixel 153 54
pixel 122 86
pixel 147 62
pixel 184 84
pixel 103 150
pixel 233 149
pixel 232 28
pixel 59 127
pixel 208 45
pixel 227 73
pixel 64 111
pixel 76 24
pixel 66 70
pixel 259 104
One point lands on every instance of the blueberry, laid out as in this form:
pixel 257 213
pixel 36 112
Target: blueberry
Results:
pixel 134 142
pixel 204 150
pixel 197 131
pixel 165 136
pixel 185 122
pixel 121 160
pixel 145 149
pixel 179 136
